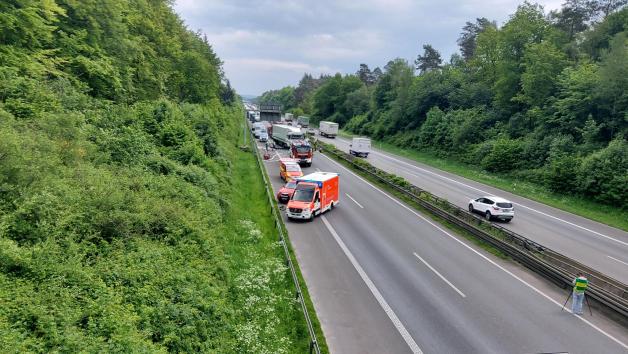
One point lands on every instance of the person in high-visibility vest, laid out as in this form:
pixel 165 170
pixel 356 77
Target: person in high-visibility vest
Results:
pixel 579 287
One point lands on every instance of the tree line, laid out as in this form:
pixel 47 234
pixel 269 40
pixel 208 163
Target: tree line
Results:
pixel 543 98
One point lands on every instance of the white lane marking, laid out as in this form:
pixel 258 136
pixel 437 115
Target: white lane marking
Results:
pixel 489 193
pixel 615 259
pixel 480 254
pixel 378 296
pixel 355 201
pixel 440 275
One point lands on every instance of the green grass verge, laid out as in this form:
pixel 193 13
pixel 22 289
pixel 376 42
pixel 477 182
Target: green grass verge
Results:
pixel 595 211
pixel 251 188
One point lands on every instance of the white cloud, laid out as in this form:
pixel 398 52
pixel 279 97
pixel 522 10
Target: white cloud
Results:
pixel 257 64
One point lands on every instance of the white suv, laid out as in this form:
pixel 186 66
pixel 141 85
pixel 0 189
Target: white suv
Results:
pixel 493 208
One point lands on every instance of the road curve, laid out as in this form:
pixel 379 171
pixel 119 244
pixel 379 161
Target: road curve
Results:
pixel 372 260
pixel 599 246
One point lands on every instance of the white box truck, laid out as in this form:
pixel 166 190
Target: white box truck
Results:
pixel 328 129
pixel 360 147
pixel 283 134
pixel 288 117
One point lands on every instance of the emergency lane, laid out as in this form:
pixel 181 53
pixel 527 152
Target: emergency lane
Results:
pixel 499 313
pixel 594 244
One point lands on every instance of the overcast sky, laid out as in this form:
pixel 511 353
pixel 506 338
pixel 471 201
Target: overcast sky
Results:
pixel 268 44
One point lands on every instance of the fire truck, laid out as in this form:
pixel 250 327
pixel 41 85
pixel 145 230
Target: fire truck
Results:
pixel 302 152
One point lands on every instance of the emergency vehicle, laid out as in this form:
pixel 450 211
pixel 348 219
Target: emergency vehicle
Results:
pixel 302 152
pixel 289 169
pixel 313 195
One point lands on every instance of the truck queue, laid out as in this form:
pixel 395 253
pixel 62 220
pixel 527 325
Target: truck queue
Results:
pixel 305 196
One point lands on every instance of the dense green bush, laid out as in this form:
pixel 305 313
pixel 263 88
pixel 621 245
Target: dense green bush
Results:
pixel 117 231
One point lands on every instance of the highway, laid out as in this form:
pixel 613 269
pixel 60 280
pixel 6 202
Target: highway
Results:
pixel 597 245
pixel 385 279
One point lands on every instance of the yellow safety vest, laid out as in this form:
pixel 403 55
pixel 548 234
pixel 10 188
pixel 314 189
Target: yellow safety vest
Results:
pixel 580 285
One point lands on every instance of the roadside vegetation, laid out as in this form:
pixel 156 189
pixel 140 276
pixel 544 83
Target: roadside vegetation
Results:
pixel 126 221
pixel 540 101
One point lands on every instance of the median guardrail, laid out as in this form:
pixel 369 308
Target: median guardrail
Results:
pixel 545 261
pixel 314 346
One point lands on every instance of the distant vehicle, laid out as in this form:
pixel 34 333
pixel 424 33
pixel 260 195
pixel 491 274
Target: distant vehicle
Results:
pixel 289 169
pixel 284 134
pixel 269 128
pixel 328 129
pixel 302 152
pixel 285 193
pixel 360 147
pixel 263 135
pixel 492 208
pixel 288 117
pixel 303 121
pixel 256 128
pixel 310 131
pixel 313 195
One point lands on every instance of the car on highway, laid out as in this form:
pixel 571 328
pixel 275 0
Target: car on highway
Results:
pixel 310 131
pixel 263 136
pixel 289 169
pixel 285 193
pixel 492 207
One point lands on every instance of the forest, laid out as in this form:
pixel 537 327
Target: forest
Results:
pixel 120 230
pixel 541 98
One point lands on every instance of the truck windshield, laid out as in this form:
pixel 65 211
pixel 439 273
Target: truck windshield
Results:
pixel 303 195
pixel 295 136
pixel 303 149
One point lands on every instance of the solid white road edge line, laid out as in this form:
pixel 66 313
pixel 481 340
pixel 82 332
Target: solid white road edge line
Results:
pixel 355 201
pixel 618 260
pixel 481 255
pixel 378 296
pixel 489 193
pixel 437 273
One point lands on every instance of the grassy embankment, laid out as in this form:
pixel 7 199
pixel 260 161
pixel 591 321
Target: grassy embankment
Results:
pixel 264 249
pixel 577 205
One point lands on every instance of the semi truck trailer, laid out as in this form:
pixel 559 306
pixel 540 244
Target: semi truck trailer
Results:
pixel 328 129
pixel 284 134
pixel 303 121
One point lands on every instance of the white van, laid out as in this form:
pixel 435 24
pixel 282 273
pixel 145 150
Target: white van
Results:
pixel 360 147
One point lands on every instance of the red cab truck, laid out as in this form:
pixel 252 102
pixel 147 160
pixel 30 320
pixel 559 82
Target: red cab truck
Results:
pixel 314 194
pixel 302 152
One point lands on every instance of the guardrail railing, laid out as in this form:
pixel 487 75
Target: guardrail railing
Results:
pixel 545 261
pixel 314 347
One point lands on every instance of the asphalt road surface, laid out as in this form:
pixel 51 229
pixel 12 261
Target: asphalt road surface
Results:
pixel 599 246
pixel 384 279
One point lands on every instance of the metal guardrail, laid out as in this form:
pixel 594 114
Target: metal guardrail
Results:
pixel 314 347
pixel 547 262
